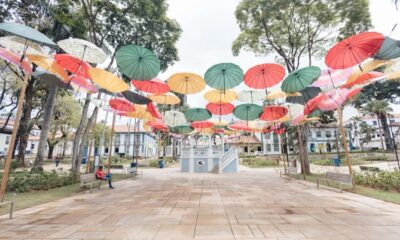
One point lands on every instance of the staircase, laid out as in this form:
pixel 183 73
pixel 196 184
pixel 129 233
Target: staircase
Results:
pixel 228 157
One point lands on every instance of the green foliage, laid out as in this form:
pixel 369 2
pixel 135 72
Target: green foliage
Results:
pixel 258 162
pixel 153 163
pixel 382 180
pixel 101 129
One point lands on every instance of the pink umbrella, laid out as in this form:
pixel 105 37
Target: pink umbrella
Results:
pixel 330 77
pixel 333 99
pixel 16 60
pixel 84 83
pixel 240 126
pixel 154 86
pixel 151 108
pixel 353 92
pixel 298 119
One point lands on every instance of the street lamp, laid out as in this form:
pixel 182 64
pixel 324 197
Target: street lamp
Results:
pixel 394 141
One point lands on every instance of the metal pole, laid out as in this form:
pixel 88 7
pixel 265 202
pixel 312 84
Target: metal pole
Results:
pixel 344 142
pixel 111 143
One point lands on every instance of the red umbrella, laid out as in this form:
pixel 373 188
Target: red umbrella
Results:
pixel 264 75
pixel 364 78
pixel 353 50
pixel 352 93
pixel 312 104
pixel 74 65
pixel 155 86
pixel 272 113
pixel 121 104
pixel 220 108
pixel 240 126
pixel 157 124
pixel 153 110
pixel 16 60
pixel 333 99
pixel 202 124
pixel 82 82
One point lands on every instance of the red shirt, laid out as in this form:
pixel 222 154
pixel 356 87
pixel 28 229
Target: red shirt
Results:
pixel 100 174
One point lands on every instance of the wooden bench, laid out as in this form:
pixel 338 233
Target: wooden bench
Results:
pixel 367 168
pixel 11 203
pixel 90 180
pixel 341 178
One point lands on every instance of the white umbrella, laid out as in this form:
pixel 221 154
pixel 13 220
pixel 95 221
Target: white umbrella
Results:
pixel 295 109
pixel 174 118
pixel 83 49
pixel 251 96
pixel 19 46
pixel 258 124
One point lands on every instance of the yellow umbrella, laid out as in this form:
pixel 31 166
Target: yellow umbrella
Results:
pixel 280 94
pixel 284 119
pixel 366 67
pixel 219 123
pixel 220 96
pixel 141 115
pixel 49 66
pixel 186 83
pixel 107 80
pixel 166 99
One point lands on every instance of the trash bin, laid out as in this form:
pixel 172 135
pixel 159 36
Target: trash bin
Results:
pixel 133 164
pixel 336 162
pixel 161 163
pixel 84 161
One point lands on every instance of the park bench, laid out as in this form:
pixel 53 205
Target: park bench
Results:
pixel 289 170
pixel 90 180
pixel 340 178
pixel 133 171
pixel 11 203
pixel 367 168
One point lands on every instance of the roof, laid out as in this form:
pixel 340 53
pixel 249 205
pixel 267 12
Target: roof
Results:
pixel 243 139
pixel 365 117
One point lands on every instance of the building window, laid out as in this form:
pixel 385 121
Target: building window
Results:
pixel 105 150
pixel 116 150
pixel 269 147
pixel 392 120
pixel 318 133
pixel 310 134
pixel 8 140
pixel 276 139
pixel 374 123
pixel 32 146
pixel 328 134
pixel 276 147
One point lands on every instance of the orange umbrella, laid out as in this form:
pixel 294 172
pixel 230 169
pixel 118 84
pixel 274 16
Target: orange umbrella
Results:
pixel 272 113
pixel 107 80
pixel 74 65
pixel 49 65
pixel 122 105
pixel 363 79
pixel 264 75
pixel 166 99
pixel 155 86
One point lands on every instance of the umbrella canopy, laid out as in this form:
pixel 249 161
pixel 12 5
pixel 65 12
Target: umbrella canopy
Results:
pixel 151 108
pixel 264 75
pixel 364 79
pixel 16 60
pixel 251 96
pixel 220 96
pixel 280 94
pixel 121 104
pixel 201 124
pixel 27 33
pixel 186 83
pixel 300 79
pixel 247 111
pixel 315 113
pixel 165 99
pixel 141 114
pixel 137 62
pixel 74 65
pixel 219 122
pixel 272 113
pixel 240 126
pixel 49 66
pixel 197 114
pixel 306 94
pixel 352 93
pixel 155 86
pixel 312 104
pixel 353 50
pixel 224 76
pixel 220 108
pixel 389 49
pixel 174 118
pixel 333 99
pixel 182 129
pixel 80 82
pixel 157 124
pixel 135 98
pixel 107 80
pixel 366 67
pixel 21 46
pixel 258 125
pixel 330 78
pixel 83 50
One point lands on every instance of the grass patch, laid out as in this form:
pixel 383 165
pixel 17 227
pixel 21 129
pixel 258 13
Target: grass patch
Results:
pixel 30 199
pixel 258 162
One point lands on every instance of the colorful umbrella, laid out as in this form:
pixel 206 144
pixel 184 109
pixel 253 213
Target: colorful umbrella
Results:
pixel 389 49
pixel 364 79
pixel 251 96
pixel 202 124
pixel 153 110
pixel 264 75
pixel 137 62
pixel 240 126
pixel 280 94
pixel 165 99
pixel 50 79
pixel 330 78
pixel 79 82
pixel 220 96
pixel 366 67
pixel 312 104
pixel 258 125
pixel 219 122
pixel 186 83
pixel 220 108
pixel 174 118
pixel 157 124
pixel 21 46
pixel 300 79
pixel 83 50
pixel 121 105
pixel 224 76
pixel 353 50
pixel 135 97
pixel 197 114
pixel 27 33
pixel 16 60
pixel 353 92
pixel 333 99
pixel 74 65
pixel 306 94
pixel 247 111
pixel 155 86
pixel 141 114
pixel 49 66
pixel 272 113
pixel 107 80
pixel 295 109
pixel 182 129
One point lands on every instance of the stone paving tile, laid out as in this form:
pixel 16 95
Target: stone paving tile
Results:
pixel 167 204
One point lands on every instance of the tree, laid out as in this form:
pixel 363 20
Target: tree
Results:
pixel 366 132
pixel 380 108
pixel 296 30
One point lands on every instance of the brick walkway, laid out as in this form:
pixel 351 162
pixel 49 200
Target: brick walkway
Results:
pixel 167 204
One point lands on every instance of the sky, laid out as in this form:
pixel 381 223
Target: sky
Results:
pixel 209 28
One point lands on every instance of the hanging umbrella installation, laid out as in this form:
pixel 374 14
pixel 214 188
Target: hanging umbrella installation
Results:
pixel 300 79
pixel 165 99
pixel 135 98
pixel 365 78
pixel 197 114
pixel 247 111
pixel 251 96
pixel 107 80
pixel 186 83
pixel 174 118
pixel 74 65
pixel 220 96
pixel 121 104
pixel 389 49
pixel 273 113
pixel 182 129
pixel 220 108
pixel 48 65
pixel 154 86
pixel 201 124
pixel 331 78
pixel 263 76
pixel 8 56
pixel 224 76
pixel 21 46
pixel 83 50
pixel 307 94
pixel 78 83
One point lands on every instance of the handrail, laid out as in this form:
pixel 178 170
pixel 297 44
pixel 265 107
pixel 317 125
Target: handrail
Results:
pixel 227 158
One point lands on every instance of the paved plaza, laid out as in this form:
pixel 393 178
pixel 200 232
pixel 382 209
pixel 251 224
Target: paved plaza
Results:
pixel 167 204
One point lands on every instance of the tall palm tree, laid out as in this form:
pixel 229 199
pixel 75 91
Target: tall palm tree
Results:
pixel 366 132
pixel 379 108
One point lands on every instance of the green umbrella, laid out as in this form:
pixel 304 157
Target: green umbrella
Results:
pixel 197 114
pixel 224 76
pixel 27 33
pixel 182 129
pixel 307 94
pixel 300 79
pixel 315 113
pixel 137 62
pixel 390 49
pixel 247 111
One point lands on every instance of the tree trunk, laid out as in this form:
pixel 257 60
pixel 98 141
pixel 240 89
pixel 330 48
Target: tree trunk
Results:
pixel 388 137
pixel 47 116
pixel 50 153
pixel 85 135
pixel 65 145
pixel 304 141
pixel 77 140
pixel 380 131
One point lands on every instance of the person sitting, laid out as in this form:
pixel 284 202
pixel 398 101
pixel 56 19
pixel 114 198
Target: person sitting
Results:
pixel 102 176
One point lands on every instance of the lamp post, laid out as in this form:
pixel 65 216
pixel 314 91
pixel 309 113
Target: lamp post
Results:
pixel 394 141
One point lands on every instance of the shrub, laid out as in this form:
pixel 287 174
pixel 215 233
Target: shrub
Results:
pixel 258 162
pixel 153 163
pixel 382 180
